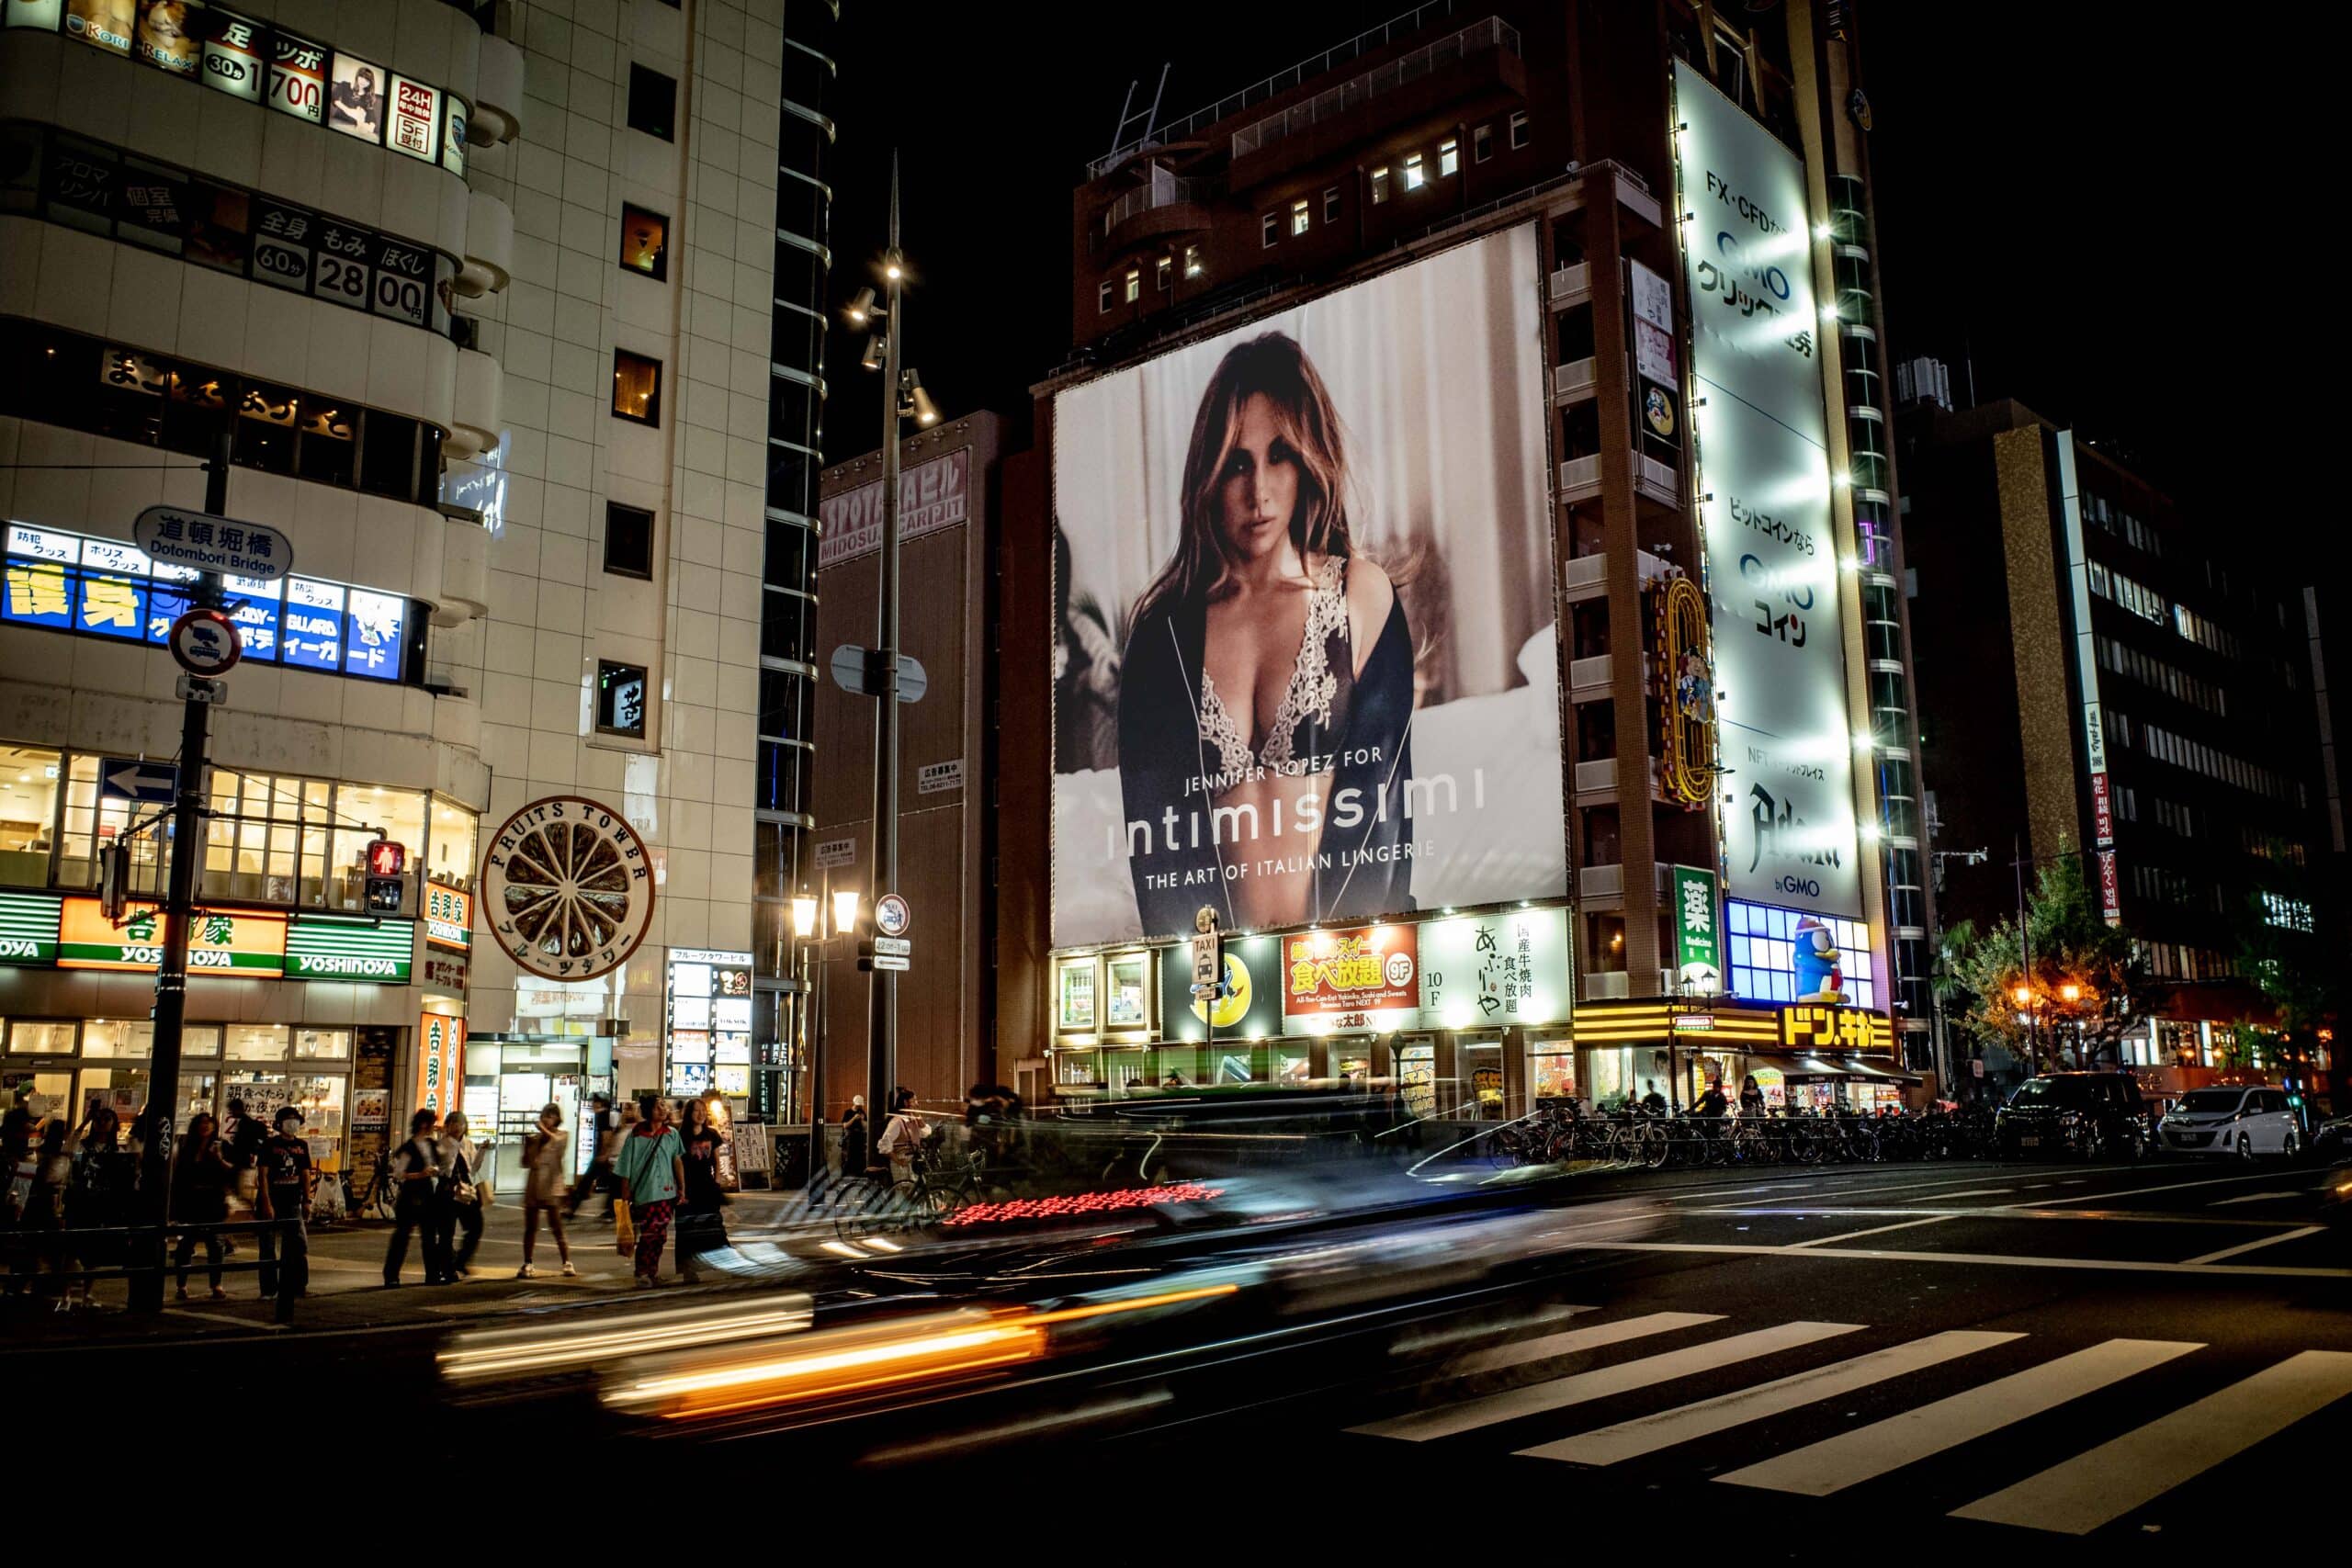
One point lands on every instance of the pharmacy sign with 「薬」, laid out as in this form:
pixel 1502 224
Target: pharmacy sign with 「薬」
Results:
pixel 1698 937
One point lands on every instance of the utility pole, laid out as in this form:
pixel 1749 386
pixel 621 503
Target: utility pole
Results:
pixel 2025 952
pixel 882 1039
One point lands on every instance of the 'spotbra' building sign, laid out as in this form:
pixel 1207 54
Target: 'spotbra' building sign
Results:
pixel 567 889
pixel 932 496
pixel 1772 553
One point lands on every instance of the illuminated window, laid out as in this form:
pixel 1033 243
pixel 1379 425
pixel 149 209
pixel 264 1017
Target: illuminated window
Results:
pixel 636 388
pixel 1449 156
pixel 1415 175
pixel 1164 275
pixel 1135 285
pixel 1482 143
pixel 645 241
pixel 1331 203
pixel 1104 297
pixel 1379 187
pixel 28 779
pixel 1299 218
pixel 1518 130
pixel 620 699
pixel 1193 261
pixel 1270 229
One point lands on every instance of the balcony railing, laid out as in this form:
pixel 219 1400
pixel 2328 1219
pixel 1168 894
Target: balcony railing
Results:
pixel 1450 50
pixel 1163 189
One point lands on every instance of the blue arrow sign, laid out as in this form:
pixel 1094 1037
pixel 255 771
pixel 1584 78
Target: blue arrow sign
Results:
pixel 145 784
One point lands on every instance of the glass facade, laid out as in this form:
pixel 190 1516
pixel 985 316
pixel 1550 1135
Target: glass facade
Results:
pixel 1764 943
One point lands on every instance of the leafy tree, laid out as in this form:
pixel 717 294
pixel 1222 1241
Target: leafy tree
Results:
pixel 2084 985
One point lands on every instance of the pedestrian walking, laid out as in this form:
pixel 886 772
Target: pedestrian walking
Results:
pixel 283 1196
pixel 461 1195
pixel 202 1176
pixel 903 1135
pixel 545 1153
pixel 651 1169
pixel 242 1136
pixel 601 1127
pixel 97 1203
pixel 42 1219
pixel 702 1223
pixel 854 1137
pixel 417 1163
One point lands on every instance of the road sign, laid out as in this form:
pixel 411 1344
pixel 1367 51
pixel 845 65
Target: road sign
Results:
pixel 142 784
pixel 205 642
pixel 885 961
pixel 859 669
pixel 893 946
pixel 891 915
pixel 173 535
pixel 197 689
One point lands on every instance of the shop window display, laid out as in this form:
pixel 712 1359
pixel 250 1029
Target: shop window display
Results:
pixel 28 786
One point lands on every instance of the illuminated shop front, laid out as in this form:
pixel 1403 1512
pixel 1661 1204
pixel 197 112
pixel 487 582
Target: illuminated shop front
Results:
pixel 1803 1055
pixel 707 1041
pixel 1467 1013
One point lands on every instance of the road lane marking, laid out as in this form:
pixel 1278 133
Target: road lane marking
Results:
pixel 1874 1230
pixel 2253 1198
pixel 1667 1429
pixel 1558 1394
pixel 2086 1492
pixel 1885 1255
pixel 1502 1358
pixel 2004 1212
pixel 2260 1241
pixel 1971 1193
pixel 2136 1191
pixel 1868 1452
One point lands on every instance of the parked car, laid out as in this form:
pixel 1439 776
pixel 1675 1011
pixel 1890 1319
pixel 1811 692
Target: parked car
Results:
pixel 2240 1122
pixel 2080 1115
pixel 2332 1139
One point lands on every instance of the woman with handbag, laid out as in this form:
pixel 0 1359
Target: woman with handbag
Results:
pixel 701 1226
pixel 418 1163
pixel 546 1152
pixel 651 1170
pixel 461 1195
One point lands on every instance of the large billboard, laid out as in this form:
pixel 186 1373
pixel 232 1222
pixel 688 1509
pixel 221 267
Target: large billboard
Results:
pixel 1772 554
pixel 1305 663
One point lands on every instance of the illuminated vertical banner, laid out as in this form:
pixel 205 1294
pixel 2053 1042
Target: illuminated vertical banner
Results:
pixel 413 126
pixel 1779 657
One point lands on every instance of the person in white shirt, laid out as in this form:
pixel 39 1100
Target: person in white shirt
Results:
pixel 545 1153
pixel 462 1189
pixel 903 1134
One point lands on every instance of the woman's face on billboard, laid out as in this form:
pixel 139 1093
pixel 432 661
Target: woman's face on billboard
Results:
pixel 1258 490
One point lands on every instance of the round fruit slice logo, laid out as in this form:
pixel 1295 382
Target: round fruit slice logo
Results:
pixel 567 889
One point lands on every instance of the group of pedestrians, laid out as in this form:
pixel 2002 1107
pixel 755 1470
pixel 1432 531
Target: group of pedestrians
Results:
pixel 442 1193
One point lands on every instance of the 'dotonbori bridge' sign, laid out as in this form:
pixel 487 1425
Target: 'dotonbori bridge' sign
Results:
pixel 567 889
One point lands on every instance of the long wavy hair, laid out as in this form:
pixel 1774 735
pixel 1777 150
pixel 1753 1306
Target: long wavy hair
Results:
pixel 1274 366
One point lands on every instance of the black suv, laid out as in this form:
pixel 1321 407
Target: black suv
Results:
pixel 2082 1115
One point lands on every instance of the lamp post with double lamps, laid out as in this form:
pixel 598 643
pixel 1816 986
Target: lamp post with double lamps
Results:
pixel 807 914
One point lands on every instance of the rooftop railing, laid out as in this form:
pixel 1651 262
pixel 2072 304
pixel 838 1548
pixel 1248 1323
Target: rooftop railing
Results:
pixel 1163 189
pixel 1429 59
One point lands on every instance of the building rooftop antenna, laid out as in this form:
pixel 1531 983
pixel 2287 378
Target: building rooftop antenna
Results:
pixel 1148 117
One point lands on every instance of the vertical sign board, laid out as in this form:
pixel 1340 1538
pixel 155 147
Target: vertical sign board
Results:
pixel 1789 838
pixel 1698 937
pixel 2078 584
pixel 440 1063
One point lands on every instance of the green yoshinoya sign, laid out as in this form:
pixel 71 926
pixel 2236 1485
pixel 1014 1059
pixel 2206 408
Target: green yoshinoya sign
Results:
pixel 28 929
pixel 350 950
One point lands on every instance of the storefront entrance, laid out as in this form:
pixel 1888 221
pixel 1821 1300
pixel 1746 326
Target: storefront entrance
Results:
pixel 511 1077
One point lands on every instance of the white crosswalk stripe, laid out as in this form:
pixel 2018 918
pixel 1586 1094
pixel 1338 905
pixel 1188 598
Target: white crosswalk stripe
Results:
pixel 1873 1451
pixel 2091 1489
pixel 1648 1434
pixel 1558 1394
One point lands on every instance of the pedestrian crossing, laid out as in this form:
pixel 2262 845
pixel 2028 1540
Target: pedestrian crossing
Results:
pixel 2119 1473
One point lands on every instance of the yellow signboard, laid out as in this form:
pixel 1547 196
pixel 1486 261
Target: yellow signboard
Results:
pixel 218 943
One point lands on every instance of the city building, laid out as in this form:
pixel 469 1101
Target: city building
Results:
pixel 2162 715
pixel 1554 326
pixel 465 287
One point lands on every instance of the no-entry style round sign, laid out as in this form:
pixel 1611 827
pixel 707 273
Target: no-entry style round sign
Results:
pixel 205 642
pixel 567 889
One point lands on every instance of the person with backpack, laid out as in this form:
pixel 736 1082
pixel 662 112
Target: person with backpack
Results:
pixel 417 1164
pixel 460 1197
pixel 651 1167
pixel 283 1195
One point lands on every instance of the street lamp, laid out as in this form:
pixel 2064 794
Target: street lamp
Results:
pixel 805 926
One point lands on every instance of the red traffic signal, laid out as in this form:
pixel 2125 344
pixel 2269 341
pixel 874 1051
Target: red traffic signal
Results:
pixel 387 857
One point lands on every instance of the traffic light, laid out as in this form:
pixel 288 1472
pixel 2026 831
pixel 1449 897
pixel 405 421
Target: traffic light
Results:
pixel 387 860
pixel 114 881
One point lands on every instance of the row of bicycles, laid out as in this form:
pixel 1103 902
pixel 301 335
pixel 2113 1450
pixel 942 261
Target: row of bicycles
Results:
pixel 1567 1133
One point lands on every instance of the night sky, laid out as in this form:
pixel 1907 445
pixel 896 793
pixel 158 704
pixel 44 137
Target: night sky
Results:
pixel 2039 181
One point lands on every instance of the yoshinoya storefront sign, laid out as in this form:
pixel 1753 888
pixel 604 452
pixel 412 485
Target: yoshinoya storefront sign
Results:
pixel 75 933
pixel 1772 548
pixel 219 942
pixel 448 917
pixel 932 496
pixel 377 951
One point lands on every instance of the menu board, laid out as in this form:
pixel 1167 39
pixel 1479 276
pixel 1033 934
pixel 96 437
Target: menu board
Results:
pixel 709 1023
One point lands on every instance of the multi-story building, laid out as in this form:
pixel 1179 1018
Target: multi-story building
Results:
pixel 1553 326
pixel 2152 707
pixel 466 288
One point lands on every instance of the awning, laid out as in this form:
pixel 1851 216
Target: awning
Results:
pixel 1862 1069
pixel 1791 1066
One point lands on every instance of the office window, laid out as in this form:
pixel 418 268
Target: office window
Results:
pixel 1449 156
pixel 1482 143
pixel 620 699
pixel 1518 130
pixel 636 388
pixel 1379 187
pixel 1135 285
pixel 1193 261
pixel 1299 218
pixel 645 241
pixel 1164 275
pixel 652 102
pixel 1415 175
pixel 1103 297
pixel 1270 229
pixel 1331 203
pixel 628 540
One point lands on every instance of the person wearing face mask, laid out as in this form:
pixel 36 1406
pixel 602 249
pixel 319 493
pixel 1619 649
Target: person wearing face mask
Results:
pixel 283 1194
pixel 545 1152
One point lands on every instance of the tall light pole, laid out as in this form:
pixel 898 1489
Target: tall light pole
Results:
pixel 806 926
pixel 903 398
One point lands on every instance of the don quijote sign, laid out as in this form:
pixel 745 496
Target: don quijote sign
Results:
pixel 932 496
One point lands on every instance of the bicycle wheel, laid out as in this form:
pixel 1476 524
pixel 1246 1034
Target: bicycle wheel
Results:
pixel 1657 1147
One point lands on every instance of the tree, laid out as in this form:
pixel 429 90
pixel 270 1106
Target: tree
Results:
pixel 2085 984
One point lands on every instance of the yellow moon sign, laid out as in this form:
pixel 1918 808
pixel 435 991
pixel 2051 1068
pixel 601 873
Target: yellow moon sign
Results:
pixel 1230 1009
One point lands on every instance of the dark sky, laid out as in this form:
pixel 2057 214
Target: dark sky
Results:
pixel 2045 181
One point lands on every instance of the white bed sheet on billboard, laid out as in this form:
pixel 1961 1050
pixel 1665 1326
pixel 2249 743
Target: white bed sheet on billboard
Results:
pixel 1772 553
pixel 1435 371
pixel 933 495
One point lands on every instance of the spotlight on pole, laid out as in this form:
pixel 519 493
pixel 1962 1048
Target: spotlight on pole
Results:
pixel 860 308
